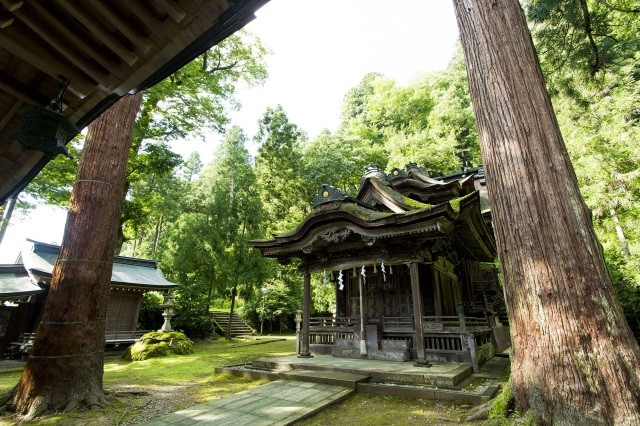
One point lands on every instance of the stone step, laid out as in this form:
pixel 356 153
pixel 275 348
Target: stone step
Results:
pixel 238 326
pixel 347 380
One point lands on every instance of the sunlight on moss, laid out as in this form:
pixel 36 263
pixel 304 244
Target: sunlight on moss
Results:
pixel 9 380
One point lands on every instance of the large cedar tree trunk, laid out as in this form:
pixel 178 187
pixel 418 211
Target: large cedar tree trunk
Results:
pixel 575 360
pixel 65 368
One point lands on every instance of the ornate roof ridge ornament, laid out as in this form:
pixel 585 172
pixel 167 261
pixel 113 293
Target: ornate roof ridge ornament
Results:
pixel 328 193
pixel 374 171
pixel 414 166
pixel 46 129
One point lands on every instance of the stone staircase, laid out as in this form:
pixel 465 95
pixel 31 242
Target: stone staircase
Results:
pixel 238 326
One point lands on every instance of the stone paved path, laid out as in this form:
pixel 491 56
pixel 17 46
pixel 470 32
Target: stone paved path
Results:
pixel 275 403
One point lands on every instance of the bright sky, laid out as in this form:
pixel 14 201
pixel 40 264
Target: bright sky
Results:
pixel 320 50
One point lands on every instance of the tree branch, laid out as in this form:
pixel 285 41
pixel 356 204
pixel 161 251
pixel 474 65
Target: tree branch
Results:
pixel 589 32
pixel 222 67
pixel 616 8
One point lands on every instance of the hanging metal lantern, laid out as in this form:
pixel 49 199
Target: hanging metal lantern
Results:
pixel 46 129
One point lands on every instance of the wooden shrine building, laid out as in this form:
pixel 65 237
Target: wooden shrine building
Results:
pixel 24 287
pixel 411 258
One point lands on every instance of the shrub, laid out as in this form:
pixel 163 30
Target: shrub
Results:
pixel 194 325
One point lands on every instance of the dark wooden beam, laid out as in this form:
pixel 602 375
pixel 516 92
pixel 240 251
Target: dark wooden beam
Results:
pixel 10 113
pixel 174 11
pixel 21 91
pixel 12 5
pixel 6 19
pixel 48 63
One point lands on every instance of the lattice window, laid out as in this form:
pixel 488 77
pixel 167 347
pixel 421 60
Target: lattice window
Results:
pixel 374 283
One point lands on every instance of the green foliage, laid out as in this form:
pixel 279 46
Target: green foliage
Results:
pixel 429 122
pixel 194 323
pixel 279 171
pixel 585 37
pixel 323 294
pixel 195 99
pixel 338 160
pixel 54 183
pixel 281 298
pixel 150 317
pixel 205 248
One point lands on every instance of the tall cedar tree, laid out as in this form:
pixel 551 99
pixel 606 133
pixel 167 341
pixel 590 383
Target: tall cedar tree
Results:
pixel 575 360
pixel 65 367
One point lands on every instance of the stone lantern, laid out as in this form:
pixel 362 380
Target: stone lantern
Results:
pixel 169 312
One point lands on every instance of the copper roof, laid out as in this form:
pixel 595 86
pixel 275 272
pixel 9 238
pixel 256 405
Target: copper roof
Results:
pixel 127 271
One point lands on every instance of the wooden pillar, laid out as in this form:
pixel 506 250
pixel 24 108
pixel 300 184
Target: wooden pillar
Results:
pixel 417 312
pixel 306 312
pixel 363 335
pixel 437 293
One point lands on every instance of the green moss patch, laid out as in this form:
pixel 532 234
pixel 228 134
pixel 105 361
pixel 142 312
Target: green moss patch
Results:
pixel 157 344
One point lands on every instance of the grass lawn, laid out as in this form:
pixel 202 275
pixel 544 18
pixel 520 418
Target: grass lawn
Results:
pixel 146 389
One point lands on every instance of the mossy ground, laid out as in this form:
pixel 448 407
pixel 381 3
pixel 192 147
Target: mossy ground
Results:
pixel 153 387
pixel 364 409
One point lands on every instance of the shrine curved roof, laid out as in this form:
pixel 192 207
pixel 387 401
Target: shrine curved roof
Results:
pixel 381 212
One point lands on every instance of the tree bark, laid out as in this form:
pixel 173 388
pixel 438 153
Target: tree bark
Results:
pixel 575 360
pixel 65 367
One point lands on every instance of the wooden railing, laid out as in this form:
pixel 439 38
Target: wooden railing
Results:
pixel 397 323
pixel 25 341
pixel 431 323
pixel 446 321
pixel 475 322
pixel 443 343
pixel 124 336
pixel 332 322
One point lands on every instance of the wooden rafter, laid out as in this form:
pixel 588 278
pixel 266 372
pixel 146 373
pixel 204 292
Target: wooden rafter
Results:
pixel 50 21
pixel 140 41
pixel 49 63
pixel 10 113
pixel 12 5
pixel 54 40
pixel 173 10
pixel 146 15
pixel 6 19
pixel 97 28
pixel 105 48
pixel 21 91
